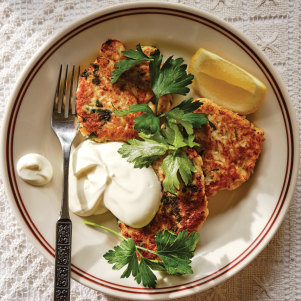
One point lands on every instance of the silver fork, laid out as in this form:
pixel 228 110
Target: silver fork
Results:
pixel 64 126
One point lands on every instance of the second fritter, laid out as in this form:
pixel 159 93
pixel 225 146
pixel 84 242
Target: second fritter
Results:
pixel 229 150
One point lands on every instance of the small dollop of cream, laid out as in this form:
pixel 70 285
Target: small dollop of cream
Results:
pixel 34 169
pixel 100 179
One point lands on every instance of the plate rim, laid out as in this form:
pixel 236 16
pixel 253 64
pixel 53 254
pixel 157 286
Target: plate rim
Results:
pixel 151 5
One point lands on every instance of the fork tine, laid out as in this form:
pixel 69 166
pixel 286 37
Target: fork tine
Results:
pixel 65 93
pixel 75 89
pixel 57 90
pixel 63 98
pixel 70 105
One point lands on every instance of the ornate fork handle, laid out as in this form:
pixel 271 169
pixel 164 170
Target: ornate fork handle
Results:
pixel 63 259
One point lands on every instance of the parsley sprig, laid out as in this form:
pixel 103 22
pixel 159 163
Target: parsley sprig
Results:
pixel 166 134
pixel 170 78
pixel 175 253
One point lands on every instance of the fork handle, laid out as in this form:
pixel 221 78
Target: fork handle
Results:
pixel 62 260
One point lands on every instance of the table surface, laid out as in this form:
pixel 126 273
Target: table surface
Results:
pixel 274 25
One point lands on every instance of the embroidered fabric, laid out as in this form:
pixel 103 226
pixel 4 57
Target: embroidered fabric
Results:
pixel 273 25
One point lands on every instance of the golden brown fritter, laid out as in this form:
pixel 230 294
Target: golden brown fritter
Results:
pixel 97 97
pixel 185 210
pixel 230 151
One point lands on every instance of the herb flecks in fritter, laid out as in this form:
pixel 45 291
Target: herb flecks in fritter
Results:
pixel 230 150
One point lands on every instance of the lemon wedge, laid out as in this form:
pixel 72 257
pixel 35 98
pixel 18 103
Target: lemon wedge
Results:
pixel 225 83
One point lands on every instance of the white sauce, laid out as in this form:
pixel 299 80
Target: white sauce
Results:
pixel 34 169
pixel 100 179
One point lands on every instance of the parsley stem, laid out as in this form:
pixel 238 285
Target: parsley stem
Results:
pixel 147 250
pixel 117 234
pixel 105 228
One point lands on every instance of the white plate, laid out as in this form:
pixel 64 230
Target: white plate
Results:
pixel 241 222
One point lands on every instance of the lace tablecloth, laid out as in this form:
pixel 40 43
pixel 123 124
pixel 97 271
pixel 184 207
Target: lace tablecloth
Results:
pixel 274 25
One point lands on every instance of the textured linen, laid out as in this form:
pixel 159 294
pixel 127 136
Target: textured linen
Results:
pixel 274 25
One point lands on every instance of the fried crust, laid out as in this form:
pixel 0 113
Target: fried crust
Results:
pixel 230 151
pixel 97 97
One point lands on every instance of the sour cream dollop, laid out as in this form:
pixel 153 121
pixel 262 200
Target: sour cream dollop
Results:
pixel 34 169
pixel 100 179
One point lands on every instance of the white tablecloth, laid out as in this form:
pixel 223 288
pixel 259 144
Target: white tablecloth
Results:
pixel 274 25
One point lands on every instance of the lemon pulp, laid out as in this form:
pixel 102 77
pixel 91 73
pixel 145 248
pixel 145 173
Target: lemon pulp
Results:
pixel 226 83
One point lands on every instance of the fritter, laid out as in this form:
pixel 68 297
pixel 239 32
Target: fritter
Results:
pixel 185 210
pixel 230 150
pixel 97 97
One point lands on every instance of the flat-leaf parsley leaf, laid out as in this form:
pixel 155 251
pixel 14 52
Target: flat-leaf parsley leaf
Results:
pixel 142 153
pixel 134 57
pixel 175 162
pixel 175 253
pixel 147 121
